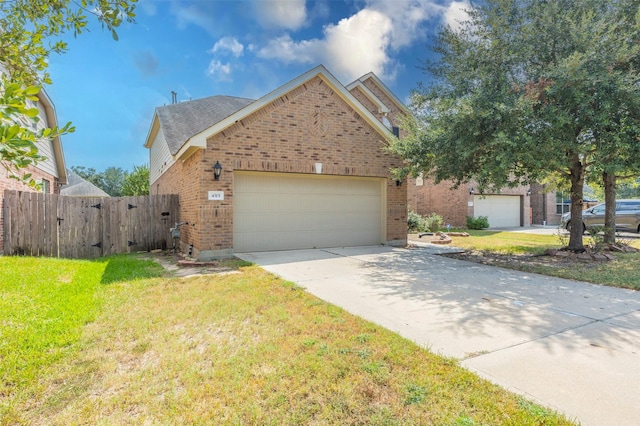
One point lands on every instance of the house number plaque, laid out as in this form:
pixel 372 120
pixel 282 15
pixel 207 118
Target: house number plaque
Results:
pixel 216 195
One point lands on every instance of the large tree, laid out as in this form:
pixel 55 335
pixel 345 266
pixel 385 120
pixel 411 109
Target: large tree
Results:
pixel 30 30
pixel 526 89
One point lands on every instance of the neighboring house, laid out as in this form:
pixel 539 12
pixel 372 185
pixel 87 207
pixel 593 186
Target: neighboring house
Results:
pixel 50 173
pixel 79 187
pixel 302 167
pixel 509 208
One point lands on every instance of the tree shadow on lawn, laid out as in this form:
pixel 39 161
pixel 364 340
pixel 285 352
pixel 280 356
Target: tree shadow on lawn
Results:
pixel 121 268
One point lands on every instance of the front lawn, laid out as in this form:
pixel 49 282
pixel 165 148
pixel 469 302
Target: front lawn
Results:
pixel 240 348
pixel 525 252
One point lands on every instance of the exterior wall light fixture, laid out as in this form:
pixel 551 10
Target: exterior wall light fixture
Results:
pixel 217 171
pixel 472 190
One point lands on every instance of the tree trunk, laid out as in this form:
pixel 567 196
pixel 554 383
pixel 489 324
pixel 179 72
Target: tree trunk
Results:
pixel 577 188
pixel 609 180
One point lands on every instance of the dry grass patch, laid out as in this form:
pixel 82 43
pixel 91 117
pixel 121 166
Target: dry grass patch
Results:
pixel 250 348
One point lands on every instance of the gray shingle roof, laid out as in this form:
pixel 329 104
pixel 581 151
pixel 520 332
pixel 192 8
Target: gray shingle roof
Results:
pixel 183 120
pixel 79 187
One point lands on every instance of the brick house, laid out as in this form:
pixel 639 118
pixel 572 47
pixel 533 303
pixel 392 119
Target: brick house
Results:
pixel 302 167
pixel 509 208
pixel 50 173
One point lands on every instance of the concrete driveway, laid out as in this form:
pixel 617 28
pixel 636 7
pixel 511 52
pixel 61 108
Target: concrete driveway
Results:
pixel 572 346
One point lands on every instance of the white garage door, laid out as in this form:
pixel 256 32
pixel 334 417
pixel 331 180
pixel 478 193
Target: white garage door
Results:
pixel 503 211
pixel 274 211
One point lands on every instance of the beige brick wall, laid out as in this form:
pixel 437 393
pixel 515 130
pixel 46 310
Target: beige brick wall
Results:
pixel 307 125
pixel 16 185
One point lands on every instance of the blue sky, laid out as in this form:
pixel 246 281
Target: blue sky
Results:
pixel 198 48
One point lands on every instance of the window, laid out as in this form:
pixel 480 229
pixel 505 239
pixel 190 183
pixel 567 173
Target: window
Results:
pixel 396 131
pixel 629 205
pixel 562 206
pixel 46 186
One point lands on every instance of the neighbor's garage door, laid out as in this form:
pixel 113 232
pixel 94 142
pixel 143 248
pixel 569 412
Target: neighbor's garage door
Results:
pixel 273 211
pixel 502 210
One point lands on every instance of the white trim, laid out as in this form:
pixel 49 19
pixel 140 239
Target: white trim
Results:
pixel 382 86
pixel 382 108
pixel 56 143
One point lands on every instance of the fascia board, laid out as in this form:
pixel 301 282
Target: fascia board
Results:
pixel 153 131
pixel 52 121
pixel 382 86
pixel 382 108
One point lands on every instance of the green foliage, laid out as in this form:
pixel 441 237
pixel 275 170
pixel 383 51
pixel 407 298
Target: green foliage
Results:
pixel 30 31
pixel 433 222
pixel 19 134
pixel 478 223
pixel 526 89
pixel 136 182
pixel 414 222
pixel 417 223
pixel 111 180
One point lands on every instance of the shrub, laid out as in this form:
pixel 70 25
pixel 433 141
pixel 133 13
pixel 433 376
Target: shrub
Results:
pixel 433 222
pixel 417 223
pixel 414 222
pixel 480 222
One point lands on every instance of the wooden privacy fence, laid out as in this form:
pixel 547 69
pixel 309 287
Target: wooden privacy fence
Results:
pixel 38 224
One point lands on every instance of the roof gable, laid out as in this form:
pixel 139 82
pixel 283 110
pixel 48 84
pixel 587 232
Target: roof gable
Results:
pixel 239 108
pixel 80 187
pixel 378 83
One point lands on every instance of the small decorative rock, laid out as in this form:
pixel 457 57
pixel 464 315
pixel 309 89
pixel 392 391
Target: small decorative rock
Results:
pixel 441 239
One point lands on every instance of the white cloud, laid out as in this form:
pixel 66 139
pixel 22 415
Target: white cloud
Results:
pixel 350 49
pixel 281 14
pixel 219 71
pixel 456 13
pixel 367 40
pixel 407 17
pixel 230 44
pixel 359 44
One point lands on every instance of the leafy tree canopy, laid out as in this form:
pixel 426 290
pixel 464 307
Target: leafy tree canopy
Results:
pixel 529 88
pixel 137 181
pixel 111 180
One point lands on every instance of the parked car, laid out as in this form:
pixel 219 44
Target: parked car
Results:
pixel 627 216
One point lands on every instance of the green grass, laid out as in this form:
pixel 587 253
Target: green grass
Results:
pixel 44 305
pixel 507 242
pixel 621 272
pixel 243 348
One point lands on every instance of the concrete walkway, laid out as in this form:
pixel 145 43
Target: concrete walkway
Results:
pixel 572 346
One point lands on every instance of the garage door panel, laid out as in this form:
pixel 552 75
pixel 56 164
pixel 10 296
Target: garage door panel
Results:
pixel 277 211
pixel 502 210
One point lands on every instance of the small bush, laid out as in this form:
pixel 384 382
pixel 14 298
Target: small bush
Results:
pixel 414 222
pixel 480 222
pixel 433 222
pixel 417 223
